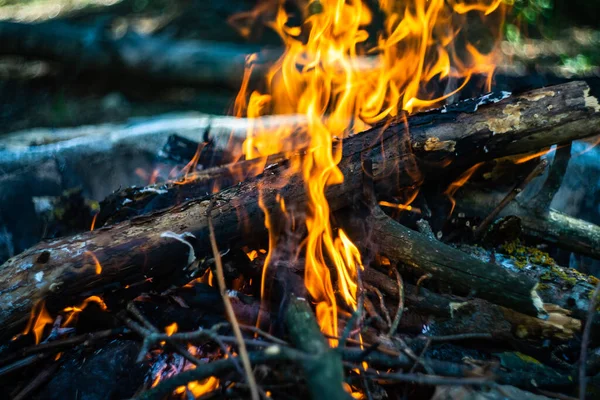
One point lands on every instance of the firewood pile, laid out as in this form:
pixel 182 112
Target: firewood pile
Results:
pixel 458 295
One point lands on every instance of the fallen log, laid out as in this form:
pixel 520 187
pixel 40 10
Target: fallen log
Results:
pixel 168 242
pixel 158 58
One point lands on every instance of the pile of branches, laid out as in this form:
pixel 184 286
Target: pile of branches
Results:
pixel 163 297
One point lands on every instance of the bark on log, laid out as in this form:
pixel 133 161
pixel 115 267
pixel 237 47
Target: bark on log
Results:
pixel 563 287
pixel 97 48
pixel 140 248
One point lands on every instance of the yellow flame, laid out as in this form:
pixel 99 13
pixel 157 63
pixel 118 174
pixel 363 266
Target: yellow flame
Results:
pixel 75 310
pixel 457 184
pixel 97 264
pixel 171 329
pixel 343 81
pixel 38 320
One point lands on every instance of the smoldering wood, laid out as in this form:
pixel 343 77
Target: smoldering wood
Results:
pixel 119 50
pixel 141 248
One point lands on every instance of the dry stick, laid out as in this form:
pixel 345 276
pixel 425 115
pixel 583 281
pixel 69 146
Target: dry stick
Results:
pixel 427 379
pixel 539 169
pixel 57 345
pixel 22 363
pixel 229 308
pixel 396 322
pixel 148 330
pixel 386 313
pixel 585 342
pixel 38 381
pixel 460 336
pixel 420 281
pixel 264 334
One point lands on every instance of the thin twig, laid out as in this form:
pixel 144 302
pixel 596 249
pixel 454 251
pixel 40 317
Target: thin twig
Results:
pixel 460 336
pixel 38 381
pixel 585 342
pixel 422 379
pixel 147 330
pixel 229 308
pixel 264 334
pixel 22 363
pixel 420 281
pixel 538 170
pixel 386 313
pixel 556 174
pixel 400 310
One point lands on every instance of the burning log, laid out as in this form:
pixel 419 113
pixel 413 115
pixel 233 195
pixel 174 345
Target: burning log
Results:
pixel 171 241
pixel 465 133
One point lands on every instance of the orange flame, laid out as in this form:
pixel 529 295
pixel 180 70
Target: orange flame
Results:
pixel 75 310
pixel 96 261
pixel 342 81
pixel 457 184
pixel 38 320
pixel 171 329
pixel 94 221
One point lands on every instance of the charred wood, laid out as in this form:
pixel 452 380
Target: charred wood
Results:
pixel 171 241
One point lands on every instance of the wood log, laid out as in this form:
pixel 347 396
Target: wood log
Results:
pixel 158 58
pixel 142 247
pixel 561 288
pixel 458 315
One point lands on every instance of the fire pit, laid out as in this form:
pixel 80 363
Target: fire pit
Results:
pixel 376 220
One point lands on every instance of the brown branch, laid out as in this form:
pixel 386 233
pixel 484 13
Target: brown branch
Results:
pixel 254 391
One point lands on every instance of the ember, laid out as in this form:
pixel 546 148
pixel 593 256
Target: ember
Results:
pixel 389 210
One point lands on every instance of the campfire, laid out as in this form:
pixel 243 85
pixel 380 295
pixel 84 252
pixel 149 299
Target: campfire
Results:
pixel 372 221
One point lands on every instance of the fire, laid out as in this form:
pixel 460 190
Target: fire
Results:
pixel 38 320
pixel 75 310
pixel 171 329
pixel 457 184
pixel 343 80
pixel 97 264
pixel 94 221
